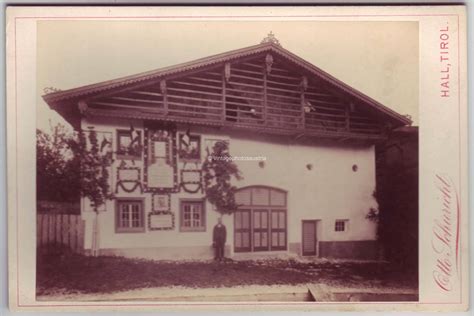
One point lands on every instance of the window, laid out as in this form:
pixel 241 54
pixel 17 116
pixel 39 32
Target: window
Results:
pixel 260 195
pixel 340 225
pixel 129 217
pixel 129 144
pixel 193 215
pixel 189 147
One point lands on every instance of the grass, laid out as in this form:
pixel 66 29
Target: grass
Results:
pixel 73 273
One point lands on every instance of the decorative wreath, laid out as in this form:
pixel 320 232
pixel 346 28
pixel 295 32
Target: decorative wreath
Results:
pixel 128 185
pixel 196 186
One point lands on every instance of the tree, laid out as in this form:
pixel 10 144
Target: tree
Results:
pixel 93 176
pixel 218 170
pixel 56 174
pixel 93 168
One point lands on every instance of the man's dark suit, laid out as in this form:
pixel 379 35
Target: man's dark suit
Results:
pixel 219 236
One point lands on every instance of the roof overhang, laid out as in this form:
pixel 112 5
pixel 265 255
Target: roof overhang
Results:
pixel 65 102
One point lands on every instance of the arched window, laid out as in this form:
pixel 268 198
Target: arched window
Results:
pixel 260 223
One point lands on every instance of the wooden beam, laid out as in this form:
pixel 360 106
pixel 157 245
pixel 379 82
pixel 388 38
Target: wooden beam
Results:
pixel 210 119
pixel 240 96
pixel 125 106
pixel 191 113
pixel 319 94
pixel 298 99
pixel 291 78
pixel 348 119
pixel 196 85
pixel 328 103
pixel 294 86
pixel 146 93
pixel 183 97
pixel 194 91
pixel 265 102
pixel 223 95
pixel 303 104
pixel 310 121
pixel 245 84
pixel 296 112
pixel 247 112
pixel 366 131
pixel 252 65
pixel 217 74
pixel 244 104
pixel 260 80
pixel 156 81
pixel 164 92
pixel 327 108
pixel 244 71
pixel 134 100
pixel 204 79
pixel 286 104
pixel 291 91
pixel 193 106
pixel 341 116
pixel 279 115
pixel 369 125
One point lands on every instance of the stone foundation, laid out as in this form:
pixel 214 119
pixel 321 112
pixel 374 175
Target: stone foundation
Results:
pixel 163 253
pixel 361 249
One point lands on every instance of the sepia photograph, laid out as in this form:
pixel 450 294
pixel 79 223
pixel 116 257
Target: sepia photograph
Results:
pixel 227 161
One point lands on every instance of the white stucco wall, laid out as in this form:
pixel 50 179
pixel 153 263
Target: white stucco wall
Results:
pixel 330 191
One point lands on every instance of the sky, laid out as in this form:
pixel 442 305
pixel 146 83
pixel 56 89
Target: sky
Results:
pixel 379 59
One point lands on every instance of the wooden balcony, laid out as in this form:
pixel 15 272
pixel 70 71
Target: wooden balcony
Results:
pixel 264 87
pixel 247 94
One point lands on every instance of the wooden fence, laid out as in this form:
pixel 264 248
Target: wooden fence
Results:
pixel 54 231
pixel 53 207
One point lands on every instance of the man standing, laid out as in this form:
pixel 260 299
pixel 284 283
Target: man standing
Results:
pixel 219 236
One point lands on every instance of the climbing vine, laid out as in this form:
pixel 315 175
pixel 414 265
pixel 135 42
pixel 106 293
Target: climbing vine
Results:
pixel 218 171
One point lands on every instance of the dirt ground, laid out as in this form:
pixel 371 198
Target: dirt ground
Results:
pixel 74 274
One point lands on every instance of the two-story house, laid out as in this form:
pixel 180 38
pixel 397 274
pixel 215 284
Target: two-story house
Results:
pixel 309 197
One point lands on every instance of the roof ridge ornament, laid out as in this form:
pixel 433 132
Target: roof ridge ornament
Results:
pixel 270 38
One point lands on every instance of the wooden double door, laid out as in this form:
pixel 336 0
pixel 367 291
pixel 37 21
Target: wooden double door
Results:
pixel 260 229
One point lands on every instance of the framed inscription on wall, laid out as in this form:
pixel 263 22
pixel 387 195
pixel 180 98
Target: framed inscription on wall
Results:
pixel 160 159
pixel 161 221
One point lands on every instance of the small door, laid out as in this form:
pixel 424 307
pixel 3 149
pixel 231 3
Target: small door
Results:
pixel 309 238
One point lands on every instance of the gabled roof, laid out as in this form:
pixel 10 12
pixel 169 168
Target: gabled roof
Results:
pixel 79 93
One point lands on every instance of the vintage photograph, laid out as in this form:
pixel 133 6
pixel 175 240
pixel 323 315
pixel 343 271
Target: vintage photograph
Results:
pixel 224 161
